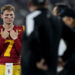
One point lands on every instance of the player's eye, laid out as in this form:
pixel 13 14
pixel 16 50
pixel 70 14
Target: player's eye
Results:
pixel 6 14
pixel 11 14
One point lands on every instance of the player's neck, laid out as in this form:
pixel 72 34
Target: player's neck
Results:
pixel 8 27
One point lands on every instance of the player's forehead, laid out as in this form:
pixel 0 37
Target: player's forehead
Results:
pixel 8 12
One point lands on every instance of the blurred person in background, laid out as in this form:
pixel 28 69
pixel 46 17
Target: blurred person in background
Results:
pixel 68 17
pixel 58 9
pixel 41 40
pixel 10 42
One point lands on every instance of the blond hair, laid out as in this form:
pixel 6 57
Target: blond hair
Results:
pixel 8 7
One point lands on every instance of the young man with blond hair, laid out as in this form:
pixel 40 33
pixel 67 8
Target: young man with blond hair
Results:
pixel 10 42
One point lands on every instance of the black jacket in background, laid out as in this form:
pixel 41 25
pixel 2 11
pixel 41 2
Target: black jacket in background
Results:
pixel 41 41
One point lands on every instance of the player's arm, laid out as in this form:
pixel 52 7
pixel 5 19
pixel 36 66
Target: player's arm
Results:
pixel 3 35
pixel 18 41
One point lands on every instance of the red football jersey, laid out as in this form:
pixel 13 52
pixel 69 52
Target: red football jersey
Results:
pixel 10 49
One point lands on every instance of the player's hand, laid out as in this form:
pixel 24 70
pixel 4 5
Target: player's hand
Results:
pixel 13 34
pixel 60 62
pixel 40 65
pixel 4 33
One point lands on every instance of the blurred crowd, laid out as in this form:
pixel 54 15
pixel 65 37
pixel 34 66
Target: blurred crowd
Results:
pixel 22 9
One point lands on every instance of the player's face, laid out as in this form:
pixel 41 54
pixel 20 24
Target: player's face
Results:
pixel 8 17
pixel 68 21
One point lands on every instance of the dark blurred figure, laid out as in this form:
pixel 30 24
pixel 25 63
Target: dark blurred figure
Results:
pixel 41 40
pixel 68 16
